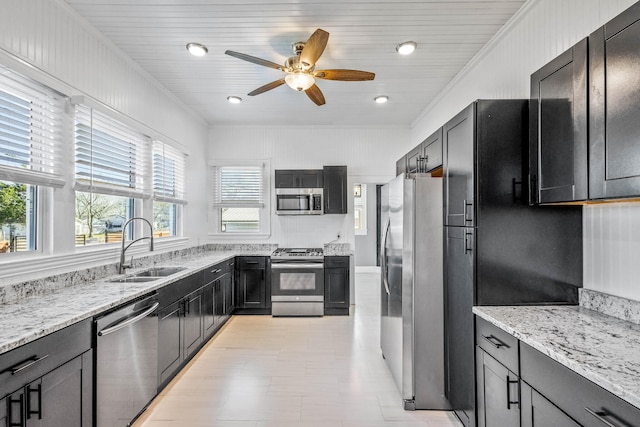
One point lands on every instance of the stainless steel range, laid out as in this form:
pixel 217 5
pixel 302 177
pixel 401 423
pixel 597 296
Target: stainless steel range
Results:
pixel 297 282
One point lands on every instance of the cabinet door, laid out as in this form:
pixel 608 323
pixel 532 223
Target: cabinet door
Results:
pixel 335 190
pixel 458 161
pixel 498 393
pixel 252 288
pixel 311 178
pixel 414 158
pixel 62 398
pixel 170 353
pixel 285 179
pixel 459 335
pixel 558 129
pixel 226 281
pixel 192 322
pixel 219 304
pixel 537 411
pixel 432 151
pixel 336 285
pixel 208 309
pixel 614 109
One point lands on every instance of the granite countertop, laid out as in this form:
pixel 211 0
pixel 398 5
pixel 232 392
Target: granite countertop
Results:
pixel 601 348
pixel 27 320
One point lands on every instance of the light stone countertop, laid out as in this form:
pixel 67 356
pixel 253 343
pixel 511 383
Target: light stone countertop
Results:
pixel 601 348
pixel 34 317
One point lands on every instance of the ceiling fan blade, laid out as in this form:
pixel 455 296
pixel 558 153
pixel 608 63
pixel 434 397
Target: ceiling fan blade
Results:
pixel 315 94
pixel 314 47
pixel 344 75
pixel 255 60
pixel 267 87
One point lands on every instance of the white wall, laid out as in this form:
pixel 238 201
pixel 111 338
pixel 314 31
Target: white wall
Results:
pixel 368 153
pixel 49 42
pixel 538 33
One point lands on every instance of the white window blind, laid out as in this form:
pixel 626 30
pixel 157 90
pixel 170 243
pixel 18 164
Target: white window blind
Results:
pixel 239 186
pixel 111 157
pixel 31 118
pixel 168 173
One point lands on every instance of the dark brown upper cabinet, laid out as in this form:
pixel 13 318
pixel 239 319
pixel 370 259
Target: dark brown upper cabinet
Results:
pixel 558 136
pixel 614 107
pixel 432 151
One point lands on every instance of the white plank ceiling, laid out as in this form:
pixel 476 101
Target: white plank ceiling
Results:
pixel 363 36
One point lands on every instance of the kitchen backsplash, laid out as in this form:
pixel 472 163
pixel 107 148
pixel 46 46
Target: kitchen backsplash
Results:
pixel 611 305
pixel 17 291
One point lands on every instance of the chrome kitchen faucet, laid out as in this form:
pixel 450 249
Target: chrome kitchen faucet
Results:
pixel 122 265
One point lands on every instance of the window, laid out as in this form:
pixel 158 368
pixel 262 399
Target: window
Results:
pixel 31 117
pixel 110 174
pixel 360 208
pixel 239 199
pixel 17 217
pixel 168 188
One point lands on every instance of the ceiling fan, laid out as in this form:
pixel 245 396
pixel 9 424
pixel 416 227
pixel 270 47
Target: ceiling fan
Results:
pixel 300 69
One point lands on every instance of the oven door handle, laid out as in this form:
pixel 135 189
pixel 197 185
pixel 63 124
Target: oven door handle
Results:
pixel 282 266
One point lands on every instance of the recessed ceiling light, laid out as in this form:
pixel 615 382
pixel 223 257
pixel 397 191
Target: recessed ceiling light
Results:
pixel 381 99
pixel 406 48
pixel 197 49
pixel 234 99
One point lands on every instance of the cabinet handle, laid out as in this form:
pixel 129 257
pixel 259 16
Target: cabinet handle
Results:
pixel 252 262
pixel 467 238
pixel 600 416
pixel 509 401
pixel 39 410
pixel 25 364
pixel 216 271
pixel 186 306
pixel 464 211
pixel 10 403
pixel 494 341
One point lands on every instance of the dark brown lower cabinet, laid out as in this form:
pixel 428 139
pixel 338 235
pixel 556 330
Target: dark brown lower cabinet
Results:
pixel 170 336
pixel 498 393
pixel 336 285
pixel 60 398
pixel 537 411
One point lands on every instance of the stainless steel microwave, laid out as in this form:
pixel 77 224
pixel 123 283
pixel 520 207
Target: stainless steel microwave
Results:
pixel 299 201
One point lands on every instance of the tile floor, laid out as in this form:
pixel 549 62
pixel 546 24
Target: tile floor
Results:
pixel 262 371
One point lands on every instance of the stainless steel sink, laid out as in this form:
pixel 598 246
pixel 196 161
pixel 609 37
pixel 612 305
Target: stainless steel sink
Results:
pixel 133 279
pixel 159 272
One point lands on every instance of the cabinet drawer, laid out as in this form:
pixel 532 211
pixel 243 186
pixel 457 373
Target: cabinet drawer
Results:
pixel 218 270
pixel 24 364
pixel 249 262
pixel 336 262
pixel 498 343
pixel 573 393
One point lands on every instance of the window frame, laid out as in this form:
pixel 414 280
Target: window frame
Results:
pixel 215 210
pixel 362 207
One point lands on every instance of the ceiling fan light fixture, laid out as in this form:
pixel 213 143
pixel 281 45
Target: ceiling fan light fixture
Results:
pixel 299 81
pixel 382 99
pixel 197 49
pixel 406 48
pixel 234 99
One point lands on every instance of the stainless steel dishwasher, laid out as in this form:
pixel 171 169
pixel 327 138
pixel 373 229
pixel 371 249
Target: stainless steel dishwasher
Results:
pixel 126 362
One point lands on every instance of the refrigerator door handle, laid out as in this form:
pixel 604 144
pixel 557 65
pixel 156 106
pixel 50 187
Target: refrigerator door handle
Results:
pixel 385 269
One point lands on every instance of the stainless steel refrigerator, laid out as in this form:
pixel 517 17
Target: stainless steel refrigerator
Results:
pixel 412 308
